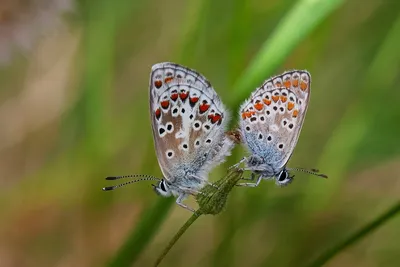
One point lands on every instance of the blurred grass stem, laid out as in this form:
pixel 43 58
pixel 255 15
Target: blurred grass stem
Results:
pixel 178 235
pixel 363 232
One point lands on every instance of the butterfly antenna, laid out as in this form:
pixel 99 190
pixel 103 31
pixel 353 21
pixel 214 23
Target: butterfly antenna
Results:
pixel 311 171
pixel 131 176
pixel 147 178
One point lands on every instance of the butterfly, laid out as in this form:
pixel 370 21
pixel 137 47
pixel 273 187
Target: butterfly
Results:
pixel 188 121
pixel 270 124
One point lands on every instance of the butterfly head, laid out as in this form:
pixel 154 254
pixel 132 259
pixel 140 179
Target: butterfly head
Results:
pixel 162 188
pixel 283 178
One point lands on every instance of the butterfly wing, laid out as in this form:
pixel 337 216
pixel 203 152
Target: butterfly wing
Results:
pixel 271 119
pixel 188 121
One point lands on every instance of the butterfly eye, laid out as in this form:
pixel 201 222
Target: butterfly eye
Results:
pixel 283 176
pixel 162 186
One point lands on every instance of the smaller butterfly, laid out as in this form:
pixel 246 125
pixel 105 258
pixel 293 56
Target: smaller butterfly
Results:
pixel 188 121
pixel 270 124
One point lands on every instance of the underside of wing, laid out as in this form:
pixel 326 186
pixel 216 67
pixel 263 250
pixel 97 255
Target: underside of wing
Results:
pixel 272 118
pixel 188 119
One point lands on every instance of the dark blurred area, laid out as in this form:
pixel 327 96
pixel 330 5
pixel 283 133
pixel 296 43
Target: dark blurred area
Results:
pixel 74 109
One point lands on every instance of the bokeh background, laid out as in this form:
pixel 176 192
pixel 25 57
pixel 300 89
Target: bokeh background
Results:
pixel 74 109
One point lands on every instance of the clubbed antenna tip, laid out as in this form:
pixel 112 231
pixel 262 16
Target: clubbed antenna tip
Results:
pixel 323 175
pixel 108 188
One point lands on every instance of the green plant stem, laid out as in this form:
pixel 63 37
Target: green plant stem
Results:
pixel 140 236
pixel 322 259
pixel 178 235
pixel 212 200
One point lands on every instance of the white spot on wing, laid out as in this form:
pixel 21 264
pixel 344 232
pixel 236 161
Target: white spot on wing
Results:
pixel 180 134
pixel 274 127
pixel 196 125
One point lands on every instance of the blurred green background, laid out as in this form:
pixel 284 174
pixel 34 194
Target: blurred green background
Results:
pixel 74 109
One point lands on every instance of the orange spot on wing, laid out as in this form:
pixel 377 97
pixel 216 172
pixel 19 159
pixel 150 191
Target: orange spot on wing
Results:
pixel 295 82
pixel 259 106
pixel 168 79
pixel 248 114
pixel 194 100
pixel 158 83
pixel 295 113
pixel 174 96
pixel 158 113
pixel 216 118
pixel 287 83
pixel 165 104
pixel 183 95
pixel 283 98
pixel 303 86
pixel 267 101
pixel 290 106
pixel 275 98
pixel 204 107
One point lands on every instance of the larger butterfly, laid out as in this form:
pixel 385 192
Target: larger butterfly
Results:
pixel 188 121
pixel 270 124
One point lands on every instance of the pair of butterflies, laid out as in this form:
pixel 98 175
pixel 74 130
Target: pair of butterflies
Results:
pixel 189 122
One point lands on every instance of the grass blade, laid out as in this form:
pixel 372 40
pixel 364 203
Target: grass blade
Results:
pixel 294 27
pixel 140 236
pixel 325 257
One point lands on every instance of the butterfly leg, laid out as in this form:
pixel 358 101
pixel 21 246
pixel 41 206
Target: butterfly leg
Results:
pixel 237 164
pixel 202 180
pixel 190 191
pixel 179 202
pixel 252 184
pixel 252 177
